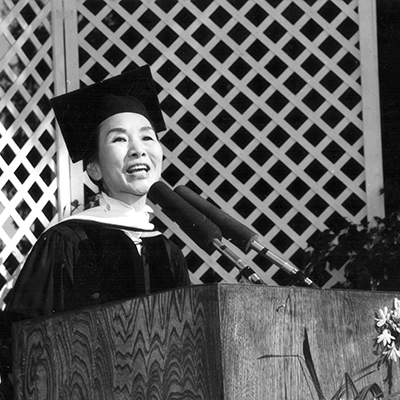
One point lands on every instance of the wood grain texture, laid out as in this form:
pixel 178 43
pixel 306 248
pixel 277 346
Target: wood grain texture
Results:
pixel 163 346
pixel 204 342
pixel 265 321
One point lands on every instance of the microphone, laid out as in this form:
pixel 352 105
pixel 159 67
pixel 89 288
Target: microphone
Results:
pixel 199 228
pixel 239 234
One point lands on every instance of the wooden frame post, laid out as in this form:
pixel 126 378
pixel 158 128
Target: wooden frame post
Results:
pixel 371 109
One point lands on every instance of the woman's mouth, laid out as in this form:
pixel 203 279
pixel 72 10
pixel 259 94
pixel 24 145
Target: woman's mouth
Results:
pixel 138 169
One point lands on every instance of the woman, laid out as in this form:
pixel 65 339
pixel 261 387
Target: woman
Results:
pixel 109 252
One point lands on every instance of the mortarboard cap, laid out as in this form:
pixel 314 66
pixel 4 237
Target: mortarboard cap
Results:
pixel 80 112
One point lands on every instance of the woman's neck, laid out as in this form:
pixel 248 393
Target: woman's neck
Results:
pixel 136 203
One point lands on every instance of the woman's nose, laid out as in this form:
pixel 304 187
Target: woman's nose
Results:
pixel 136 148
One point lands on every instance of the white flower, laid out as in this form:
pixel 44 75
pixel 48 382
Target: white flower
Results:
pixel 383 317
pixel 385 337
pixel 393 352
pixel 396 310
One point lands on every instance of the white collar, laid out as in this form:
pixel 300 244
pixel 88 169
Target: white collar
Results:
pixel 115 212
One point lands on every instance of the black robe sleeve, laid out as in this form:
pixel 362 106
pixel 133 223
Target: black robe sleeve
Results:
pixel 46 274
pixel 37 291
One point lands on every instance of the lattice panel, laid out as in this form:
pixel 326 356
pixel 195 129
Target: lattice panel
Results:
pixel 27 146
pixel 262 100
pixel 263 105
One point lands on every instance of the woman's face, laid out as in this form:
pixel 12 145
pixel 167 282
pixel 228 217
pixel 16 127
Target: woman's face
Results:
pixel 129 159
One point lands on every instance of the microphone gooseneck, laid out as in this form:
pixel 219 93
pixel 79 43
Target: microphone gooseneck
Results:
pixel 281 263
pixel 239 234
pixel 199 228
pixel 245 270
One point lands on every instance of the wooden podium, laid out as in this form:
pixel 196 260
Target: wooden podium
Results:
pixel 202 342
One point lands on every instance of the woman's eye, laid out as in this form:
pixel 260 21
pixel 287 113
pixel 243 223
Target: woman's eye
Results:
pixel 119 139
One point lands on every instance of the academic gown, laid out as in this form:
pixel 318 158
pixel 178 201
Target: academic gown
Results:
pixel 80 263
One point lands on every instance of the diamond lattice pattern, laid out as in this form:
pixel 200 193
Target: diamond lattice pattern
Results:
pixel 27 147
pixel 263 107
pixel 263 104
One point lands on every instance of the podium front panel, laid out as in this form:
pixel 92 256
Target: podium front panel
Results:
pixel 203 342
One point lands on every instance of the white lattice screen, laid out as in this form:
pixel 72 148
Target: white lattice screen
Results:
pixel 27 146
pixel 262 99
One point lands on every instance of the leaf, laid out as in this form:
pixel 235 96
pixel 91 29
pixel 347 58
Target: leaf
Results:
pixel 310 366
pixel 351 390
pixel 350 381
pixel 374 389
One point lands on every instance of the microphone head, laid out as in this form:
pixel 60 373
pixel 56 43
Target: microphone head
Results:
pixel 199 228
pixel 231 229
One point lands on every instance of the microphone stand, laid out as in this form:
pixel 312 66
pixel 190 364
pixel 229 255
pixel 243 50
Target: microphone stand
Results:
pixel 281 263
pixel 244 269
pixel 241 235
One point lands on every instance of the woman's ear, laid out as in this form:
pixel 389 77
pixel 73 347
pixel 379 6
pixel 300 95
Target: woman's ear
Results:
pixel 93 170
